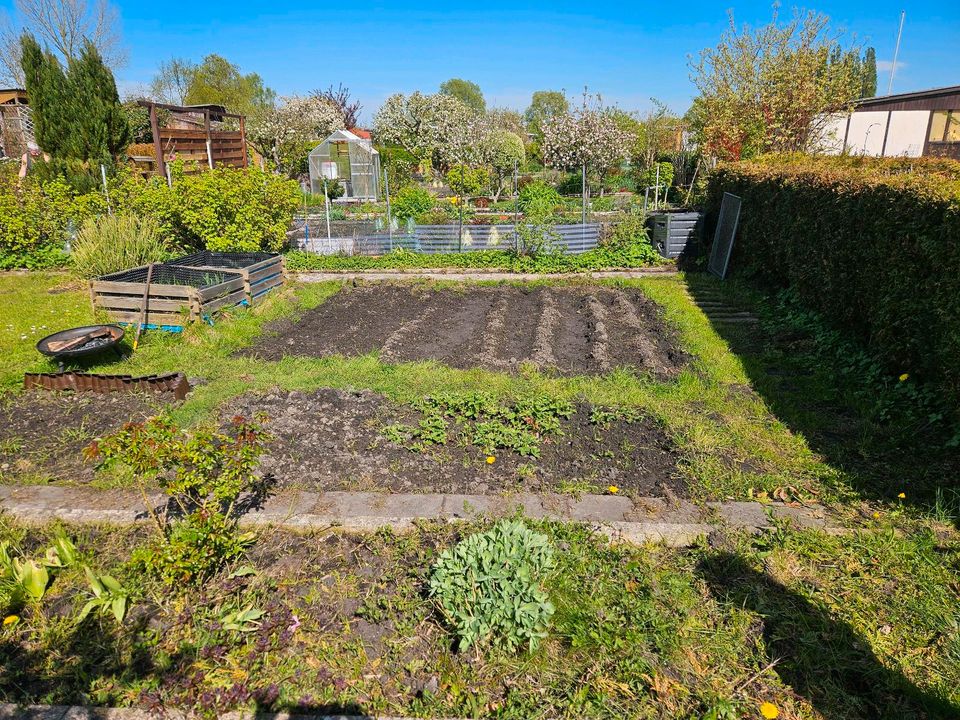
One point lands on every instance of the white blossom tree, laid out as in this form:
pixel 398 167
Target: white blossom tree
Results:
pixel 585 137
pixel 284 132
pixel 436 127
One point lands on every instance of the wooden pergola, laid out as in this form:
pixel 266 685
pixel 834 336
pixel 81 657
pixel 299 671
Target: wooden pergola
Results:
pixel 206 146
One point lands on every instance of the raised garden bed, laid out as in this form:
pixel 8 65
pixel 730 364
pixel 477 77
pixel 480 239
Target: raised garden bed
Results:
pixel 177 295
pixel 261 271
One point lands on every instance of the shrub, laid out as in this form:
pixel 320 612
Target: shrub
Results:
pixel 410 202
pixel 230 209
pixel 34 221
pixel 571 184
pixel 602 204
pixel 465 180
pixel 204 472
pixel 872 243
pixel 648 177
pixel 538 199
pixel 335 189
pixel 490 587
pixel 115 242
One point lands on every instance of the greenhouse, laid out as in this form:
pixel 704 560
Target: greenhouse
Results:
pixel 350 159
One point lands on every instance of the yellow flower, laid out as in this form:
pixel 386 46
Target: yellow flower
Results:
pixel 11 620
pixel 491 459
pixel 902 495
pixel 613 489
pixel 769 710
pixel 876 515
pixel 904 377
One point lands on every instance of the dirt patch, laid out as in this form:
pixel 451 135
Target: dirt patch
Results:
pixel 334 440
pixel 42 434
pixel 567 330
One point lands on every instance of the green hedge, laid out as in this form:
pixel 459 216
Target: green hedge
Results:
pixel 873 244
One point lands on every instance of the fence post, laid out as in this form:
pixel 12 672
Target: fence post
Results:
pixel 460 225
pixel 516 209
pixel 386 185
pixel 158 163
pixel 206 127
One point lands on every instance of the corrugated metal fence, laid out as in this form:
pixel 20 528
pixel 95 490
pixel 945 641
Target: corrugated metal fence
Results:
pixel 436 239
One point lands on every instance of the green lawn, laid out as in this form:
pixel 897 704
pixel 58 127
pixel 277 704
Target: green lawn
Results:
pixel 864 625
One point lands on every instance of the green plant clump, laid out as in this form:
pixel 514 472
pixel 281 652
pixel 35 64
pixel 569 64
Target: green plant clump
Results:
pixel 116 242
pixel 410 202
pixel 490 587
pixel 483 423
pixel 204 473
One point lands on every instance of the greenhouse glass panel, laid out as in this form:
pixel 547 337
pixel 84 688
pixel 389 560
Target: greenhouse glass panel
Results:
pixel 350 159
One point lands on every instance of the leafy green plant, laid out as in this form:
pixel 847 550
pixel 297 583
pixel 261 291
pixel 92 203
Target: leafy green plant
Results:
pixel 205 472
pixel 487 425
pixel 409 202
pixel 490 587
pixel 109 596
pixel 244 620
pixel 537 199
pixel 110 243
pixel 466 180
pixel 34 220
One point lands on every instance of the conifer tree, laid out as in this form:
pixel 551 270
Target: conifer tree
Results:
pixel 100 128
pixel 46 87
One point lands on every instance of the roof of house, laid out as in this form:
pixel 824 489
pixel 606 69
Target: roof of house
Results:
pixel 918 99
pixel 361 133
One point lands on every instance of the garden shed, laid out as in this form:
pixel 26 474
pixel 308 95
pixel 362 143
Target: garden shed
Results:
pixel 349 158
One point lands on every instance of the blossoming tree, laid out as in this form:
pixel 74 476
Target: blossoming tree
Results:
pixel 285 132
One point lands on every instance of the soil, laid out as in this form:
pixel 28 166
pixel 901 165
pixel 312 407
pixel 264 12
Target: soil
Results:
pixel 43 434
pixel 332 440
pixel 567 330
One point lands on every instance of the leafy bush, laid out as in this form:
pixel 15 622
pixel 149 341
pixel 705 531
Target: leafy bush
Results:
pixel 115 242
pixel 410 202
pixel 648 177
pixel 571 184
pixel 490 587
pixel 335 189
pixel 538 199
pixel 465 180
pixel 602 204
pixel 871 243
pixel 225 209
pixel 204 473
pixel 34 221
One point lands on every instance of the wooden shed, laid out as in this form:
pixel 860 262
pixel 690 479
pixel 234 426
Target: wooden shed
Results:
pixel 200 135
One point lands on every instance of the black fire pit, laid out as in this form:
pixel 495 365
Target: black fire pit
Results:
pixel 112 335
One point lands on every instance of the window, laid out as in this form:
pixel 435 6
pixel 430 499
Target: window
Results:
pixel 945 126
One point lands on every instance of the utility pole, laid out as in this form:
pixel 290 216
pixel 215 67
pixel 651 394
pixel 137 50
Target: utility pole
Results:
pixel 896 53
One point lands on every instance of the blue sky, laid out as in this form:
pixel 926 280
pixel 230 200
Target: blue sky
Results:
pixel 628 53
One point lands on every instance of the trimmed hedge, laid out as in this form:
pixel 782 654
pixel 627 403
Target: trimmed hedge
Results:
pixel 873 244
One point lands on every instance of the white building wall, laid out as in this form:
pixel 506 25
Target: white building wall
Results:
pixel 908 130
pixel 829 137
pixel 865 134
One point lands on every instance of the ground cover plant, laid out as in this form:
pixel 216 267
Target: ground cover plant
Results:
pixel 856 626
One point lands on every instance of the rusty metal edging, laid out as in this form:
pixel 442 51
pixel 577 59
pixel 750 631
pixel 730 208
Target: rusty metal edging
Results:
pixel 91 382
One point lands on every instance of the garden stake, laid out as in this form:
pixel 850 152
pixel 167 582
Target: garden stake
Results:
pixel 143 310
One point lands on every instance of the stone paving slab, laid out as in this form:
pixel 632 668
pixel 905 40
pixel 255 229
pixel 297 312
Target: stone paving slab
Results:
pixel 674 522
pixel 459 274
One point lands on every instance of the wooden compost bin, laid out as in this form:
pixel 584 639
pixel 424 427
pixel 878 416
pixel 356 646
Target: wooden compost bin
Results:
pixel 261 271
pixel 177 295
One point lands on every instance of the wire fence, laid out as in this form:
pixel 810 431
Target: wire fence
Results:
pixel 438 239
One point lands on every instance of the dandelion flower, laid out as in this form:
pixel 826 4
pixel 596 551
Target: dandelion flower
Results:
pixel 902 495
pixel 613 489
pixel 876 515
pixel 11 620
pixel 769 710
pixel 491 459
pixel 904 377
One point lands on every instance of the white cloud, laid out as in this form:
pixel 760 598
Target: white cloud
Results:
pixel 887 65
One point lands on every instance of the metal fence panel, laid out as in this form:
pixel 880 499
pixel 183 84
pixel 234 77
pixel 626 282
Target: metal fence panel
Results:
pixel 437 239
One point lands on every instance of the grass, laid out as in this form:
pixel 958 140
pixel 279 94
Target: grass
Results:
pixel 743 430
pixel 861 626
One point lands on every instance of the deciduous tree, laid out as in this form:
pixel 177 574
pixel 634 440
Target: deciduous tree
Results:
pixel 469 93
pixel 286 132
pixel 772 88
pixel 217 81
pixel 439 127
pixel 350 109
pixel 64 26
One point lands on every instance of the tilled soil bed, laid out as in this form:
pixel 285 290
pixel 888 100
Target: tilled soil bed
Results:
pixel 43 434
pixel 335 440
pixel 567 330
